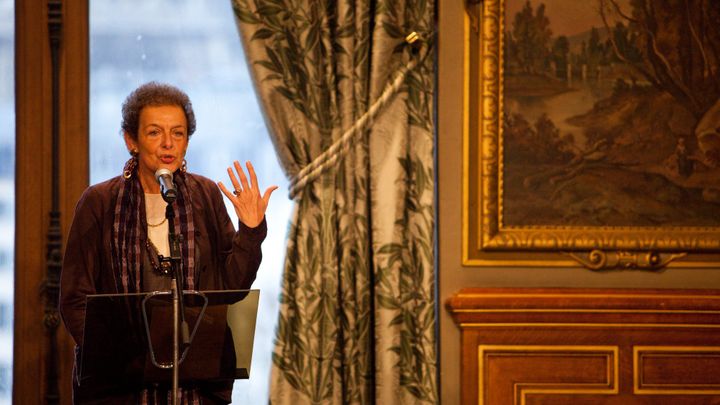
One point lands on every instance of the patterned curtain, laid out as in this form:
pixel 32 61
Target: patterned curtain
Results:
pixel 357 316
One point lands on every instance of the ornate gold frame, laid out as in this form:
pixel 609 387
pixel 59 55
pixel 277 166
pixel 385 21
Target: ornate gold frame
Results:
pixel 486 241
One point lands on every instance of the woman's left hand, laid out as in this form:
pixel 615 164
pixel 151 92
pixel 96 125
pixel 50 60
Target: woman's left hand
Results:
pixel 249 205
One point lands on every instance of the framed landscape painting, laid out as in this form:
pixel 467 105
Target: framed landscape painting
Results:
pixel 592 133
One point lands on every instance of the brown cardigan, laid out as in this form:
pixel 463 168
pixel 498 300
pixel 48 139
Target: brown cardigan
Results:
pixel 224 258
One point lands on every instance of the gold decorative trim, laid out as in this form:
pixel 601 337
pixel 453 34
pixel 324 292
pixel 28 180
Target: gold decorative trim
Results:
pixel 586 325
pixel 467 261
pixel 610 386
pixel 487 240
pixel 648 260
pixel 466 131
pixel 543 262
pixel 671 389
pixel 582 311
pixel 584 238
pixel 587 295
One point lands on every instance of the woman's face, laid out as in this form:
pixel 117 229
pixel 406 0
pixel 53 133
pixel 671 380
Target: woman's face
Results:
pixel 162 141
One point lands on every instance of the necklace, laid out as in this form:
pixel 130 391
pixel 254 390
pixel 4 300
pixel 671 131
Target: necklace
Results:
pixel 158 224
pixel 157 261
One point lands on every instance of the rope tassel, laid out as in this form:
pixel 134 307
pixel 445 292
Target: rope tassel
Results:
pixel 337 150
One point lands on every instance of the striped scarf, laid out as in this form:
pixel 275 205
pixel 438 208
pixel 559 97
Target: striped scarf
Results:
pixel 130 232
pixel 128 240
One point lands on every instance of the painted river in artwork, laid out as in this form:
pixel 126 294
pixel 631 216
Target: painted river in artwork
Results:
pixel 562 106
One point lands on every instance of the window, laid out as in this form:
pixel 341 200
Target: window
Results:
pixel 196 47
pixel 7 194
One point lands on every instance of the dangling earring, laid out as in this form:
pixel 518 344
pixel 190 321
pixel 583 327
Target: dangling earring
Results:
pixel 131 164
pixel 183 168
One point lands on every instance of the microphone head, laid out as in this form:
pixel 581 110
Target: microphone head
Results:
pixel 167 187
pixel 163 172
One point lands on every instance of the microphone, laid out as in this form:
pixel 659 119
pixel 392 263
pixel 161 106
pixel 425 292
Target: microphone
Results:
pixel 167 187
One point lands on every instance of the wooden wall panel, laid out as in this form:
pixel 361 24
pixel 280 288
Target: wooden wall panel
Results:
pixel 676 370
pixel 516 371
pixel 588 346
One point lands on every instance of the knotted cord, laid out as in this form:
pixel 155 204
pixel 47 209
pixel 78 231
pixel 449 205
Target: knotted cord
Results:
pixel 339 149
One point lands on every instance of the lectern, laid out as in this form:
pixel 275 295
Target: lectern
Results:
pixel 128 339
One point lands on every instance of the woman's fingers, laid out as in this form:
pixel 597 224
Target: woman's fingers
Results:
pixel 225 191
pixel 266 196
pixel 249 207
pixel 241 173
pixel 233 179
pixel 253 177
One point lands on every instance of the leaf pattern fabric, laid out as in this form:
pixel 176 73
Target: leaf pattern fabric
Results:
pixel 357 313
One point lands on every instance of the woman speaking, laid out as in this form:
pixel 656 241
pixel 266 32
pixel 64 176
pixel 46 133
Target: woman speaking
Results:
pixel 120 230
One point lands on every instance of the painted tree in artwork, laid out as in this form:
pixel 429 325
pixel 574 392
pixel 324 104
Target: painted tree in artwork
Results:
pixel 529 40
pixel 679 45
pixel 676 48
pixel 560 54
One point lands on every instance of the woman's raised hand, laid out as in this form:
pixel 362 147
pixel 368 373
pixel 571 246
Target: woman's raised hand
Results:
pixel 249 205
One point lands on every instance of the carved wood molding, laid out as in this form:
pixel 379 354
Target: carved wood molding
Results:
pixel 610 346
pixel 518 372
pixel 653 364
pixel 50 287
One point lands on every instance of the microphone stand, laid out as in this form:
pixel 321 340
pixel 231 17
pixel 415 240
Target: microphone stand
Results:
pixel 181 335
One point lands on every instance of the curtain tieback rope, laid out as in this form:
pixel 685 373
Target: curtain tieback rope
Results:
pixel 337 150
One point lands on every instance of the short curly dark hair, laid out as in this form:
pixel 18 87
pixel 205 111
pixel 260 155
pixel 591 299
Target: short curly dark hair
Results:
pixel 154 94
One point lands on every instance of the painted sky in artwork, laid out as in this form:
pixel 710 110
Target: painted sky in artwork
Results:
pixel 567 17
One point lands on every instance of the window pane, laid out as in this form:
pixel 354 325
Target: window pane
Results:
pixel 7 194
pixel 195 46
